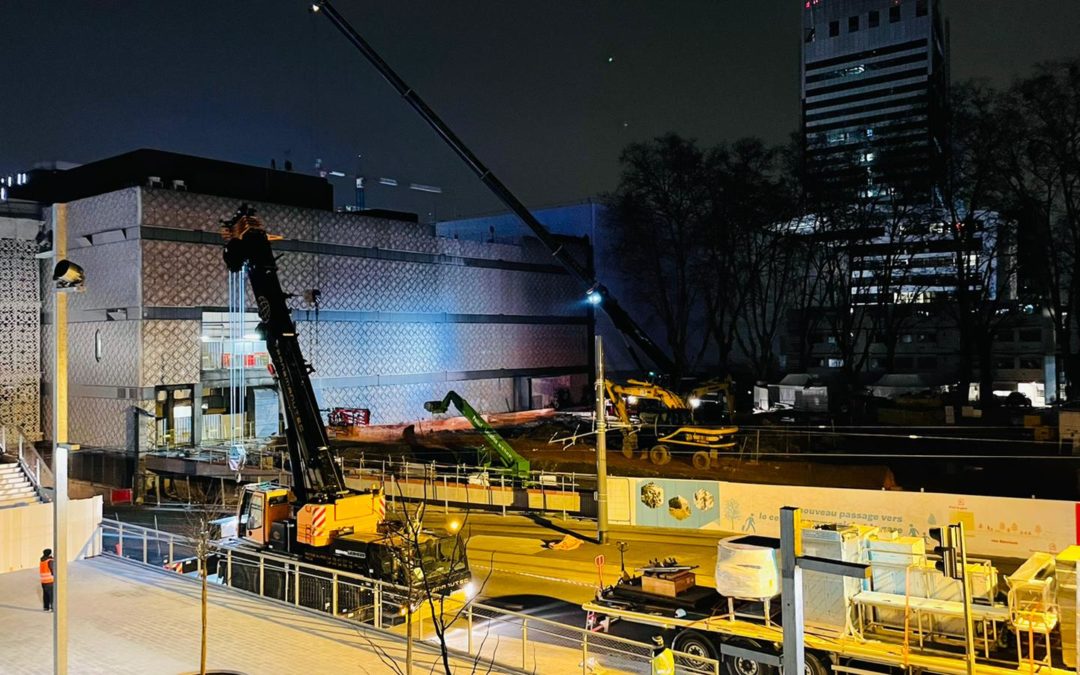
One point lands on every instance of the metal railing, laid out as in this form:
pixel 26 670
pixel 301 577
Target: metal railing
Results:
pixel 484 633
pixel 33 464
pixel 384 467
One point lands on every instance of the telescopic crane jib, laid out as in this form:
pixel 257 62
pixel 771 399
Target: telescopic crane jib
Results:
pixel 619 317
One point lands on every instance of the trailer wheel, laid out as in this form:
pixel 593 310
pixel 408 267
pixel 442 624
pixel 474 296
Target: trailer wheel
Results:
pixel 660 455
pixel 701 460
pixel 812 665
pixel 738 665
pixel 695 644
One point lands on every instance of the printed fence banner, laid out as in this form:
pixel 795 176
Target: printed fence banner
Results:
pixel 662 502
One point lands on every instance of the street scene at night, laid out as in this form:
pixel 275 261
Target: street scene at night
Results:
pixel 710 337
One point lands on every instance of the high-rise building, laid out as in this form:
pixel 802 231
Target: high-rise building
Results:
pixel 874 98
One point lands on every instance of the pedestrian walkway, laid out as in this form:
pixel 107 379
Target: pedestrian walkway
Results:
pixel 126 619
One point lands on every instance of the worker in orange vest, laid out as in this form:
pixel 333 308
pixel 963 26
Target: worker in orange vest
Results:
pixel 46 570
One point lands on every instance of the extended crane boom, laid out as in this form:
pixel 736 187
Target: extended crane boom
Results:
pixel 316 476
pixel 622 320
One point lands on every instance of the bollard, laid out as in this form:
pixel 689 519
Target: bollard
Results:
pixel 378 606
pixel 584 653
pixel 145 546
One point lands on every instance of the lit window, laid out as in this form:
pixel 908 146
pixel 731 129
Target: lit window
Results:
pixel 834 28
pixel 853 24
pixel 869 133
pixel 836 363
pixel 874 19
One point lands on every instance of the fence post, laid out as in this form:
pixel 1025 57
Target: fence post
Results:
pixel 171 561
pixel 262 576
pixel 145 545
pixel 228 567
pixel 524 644
pixel 296 584
pixel 502 486
pixel 446 495
pixel 334 594
pixel 120 538
pixel 469 649
pixel 584 653
pixel 378 606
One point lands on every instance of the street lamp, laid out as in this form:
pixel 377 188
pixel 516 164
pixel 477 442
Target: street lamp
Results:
pixel 67 278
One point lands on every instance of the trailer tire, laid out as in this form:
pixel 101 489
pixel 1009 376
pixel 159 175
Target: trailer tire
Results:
pixel 741 666
pixel 813 664
pixel 660 455
pixel 695 644
pixel 702 460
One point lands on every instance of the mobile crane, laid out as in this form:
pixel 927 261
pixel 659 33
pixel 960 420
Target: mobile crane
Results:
pixel 906 616
pixel 319 519
pixel 669 422
pixel 517 465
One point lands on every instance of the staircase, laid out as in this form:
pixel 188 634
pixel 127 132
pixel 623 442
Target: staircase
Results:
pixel 15 488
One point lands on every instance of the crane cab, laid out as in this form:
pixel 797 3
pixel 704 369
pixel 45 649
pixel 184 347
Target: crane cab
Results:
pixel 265 515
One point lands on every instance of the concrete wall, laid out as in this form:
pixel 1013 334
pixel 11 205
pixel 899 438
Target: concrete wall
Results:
pixel 25 531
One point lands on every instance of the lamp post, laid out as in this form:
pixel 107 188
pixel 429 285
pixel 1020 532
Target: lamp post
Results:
pixel 67 277
pixel 601 447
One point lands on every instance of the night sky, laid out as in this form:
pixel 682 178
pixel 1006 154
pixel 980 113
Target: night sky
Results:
pixel 546 93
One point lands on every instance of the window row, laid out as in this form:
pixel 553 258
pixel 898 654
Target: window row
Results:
pixel 873 19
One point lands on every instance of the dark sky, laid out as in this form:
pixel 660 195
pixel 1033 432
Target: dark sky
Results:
pixel 528 85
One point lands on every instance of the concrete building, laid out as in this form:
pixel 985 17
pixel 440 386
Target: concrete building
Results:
pixel 389 314
pixel 874 97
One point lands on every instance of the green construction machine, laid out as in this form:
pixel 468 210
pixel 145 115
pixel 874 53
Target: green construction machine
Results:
pixel 517 465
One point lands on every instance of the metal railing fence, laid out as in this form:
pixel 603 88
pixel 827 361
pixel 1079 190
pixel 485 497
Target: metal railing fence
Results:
pixel 482 632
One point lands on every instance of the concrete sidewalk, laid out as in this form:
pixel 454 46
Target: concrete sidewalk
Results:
pixel 127 619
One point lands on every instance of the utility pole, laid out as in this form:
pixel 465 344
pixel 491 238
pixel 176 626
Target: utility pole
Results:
pixel 601 447
pixel 969 631
pixel 60 438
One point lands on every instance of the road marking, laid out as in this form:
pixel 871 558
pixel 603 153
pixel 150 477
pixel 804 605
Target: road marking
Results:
pixel 534 576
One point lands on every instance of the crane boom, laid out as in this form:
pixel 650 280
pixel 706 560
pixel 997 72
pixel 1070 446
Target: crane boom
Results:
pixel 510 457
pixel 316 476
pixel 619 316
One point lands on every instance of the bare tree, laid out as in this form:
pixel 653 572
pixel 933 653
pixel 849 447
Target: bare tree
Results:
pixel 199 529
pixel 659 211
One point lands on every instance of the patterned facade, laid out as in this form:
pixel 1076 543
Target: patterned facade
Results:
pixel 20 313
pixel 403 315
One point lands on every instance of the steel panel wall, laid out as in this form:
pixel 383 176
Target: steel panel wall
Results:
pixel 398 403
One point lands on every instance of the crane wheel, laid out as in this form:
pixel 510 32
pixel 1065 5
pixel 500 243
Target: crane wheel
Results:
pixel 738 665
pixel 702 460
pixel 660 455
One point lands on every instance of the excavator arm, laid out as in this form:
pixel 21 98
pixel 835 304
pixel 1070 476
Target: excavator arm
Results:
pixel 509 457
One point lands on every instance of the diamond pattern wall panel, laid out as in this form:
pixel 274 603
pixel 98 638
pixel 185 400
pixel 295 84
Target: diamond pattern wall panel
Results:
pixel 112 276
pixel 170 352
pixel 119 344
pixel 97 422
pixel 110 211
pixel 395 404
pixel 355 229
pixel 343 349
pixel 192 211
pixel 184 275
pixel 20 344
pixel 391 286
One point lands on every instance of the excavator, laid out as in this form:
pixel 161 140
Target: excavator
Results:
pixel 517 465
pixel 318 519
pixel 648 411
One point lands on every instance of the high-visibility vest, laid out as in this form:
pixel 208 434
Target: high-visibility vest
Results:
pixel 664 663
pixel 45 572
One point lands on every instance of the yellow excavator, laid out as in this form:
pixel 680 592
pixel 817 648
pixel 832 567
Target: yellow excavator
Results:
pixel 657 418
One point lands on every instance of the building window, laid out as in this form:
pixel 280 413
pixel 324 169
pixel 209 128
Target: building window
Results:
pixel 1031 363
pixel 834 28
pixel 1004 335
pixel 902 363
pixel 1030 335
pixel 97 345
pixel 853 24
pixel 1004 362
pixel 927 362
pixel 875 19
pixel 927 338
pixel 894 14
pixel 921 7
pixel 836 363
